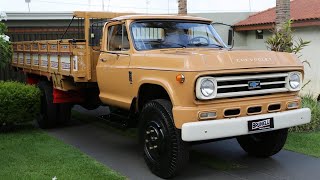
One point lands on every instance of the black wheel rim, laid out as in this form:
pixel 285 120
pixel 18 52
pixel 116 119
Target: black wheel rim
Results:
pixel 154 140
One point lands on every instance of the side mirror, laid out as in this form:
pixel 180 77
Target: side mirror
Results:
pixel 226 32
pixel 231 37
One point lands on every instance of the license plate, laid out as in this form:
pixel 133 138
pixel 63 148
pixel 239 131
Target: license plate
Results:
pixel 260 124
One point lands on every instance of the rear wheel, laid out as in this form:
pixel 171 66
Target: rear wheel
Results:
pixel 48 110
pixel 164 151
pixel 64 113
pixel 264 144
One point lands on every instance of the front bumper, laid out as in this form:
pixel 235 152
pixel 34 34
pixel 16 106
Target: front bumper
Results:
pixel 230 127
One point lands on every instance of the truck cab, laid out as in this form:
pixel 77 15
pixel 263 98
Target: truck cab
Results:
pixel 187 85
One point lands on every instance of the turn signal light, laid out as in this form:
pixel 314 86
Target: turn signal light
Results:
pixel 180 78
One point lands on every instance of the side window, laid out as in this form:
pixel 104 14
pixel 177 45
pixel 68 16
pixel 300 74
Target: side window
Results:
pixel 118 38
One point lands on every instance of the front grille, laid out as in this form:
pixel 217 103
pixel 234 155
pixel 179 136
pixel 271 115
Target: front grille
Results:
pixel 249 85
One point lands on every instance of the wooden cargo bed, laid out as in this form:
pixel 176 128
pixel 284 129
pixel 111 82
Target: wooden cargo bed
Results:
pixel 65 61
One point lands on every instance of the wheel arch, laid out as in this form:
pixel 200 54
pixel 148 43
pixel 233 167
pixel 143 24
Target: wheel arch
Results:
pixel 150 91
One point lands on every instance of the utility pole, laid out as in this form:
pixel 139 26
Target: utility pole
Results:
pixel 250 7
pixel 102 5
pixel 168 7
pixel 28 2
pixel 89 5
pixel 108 5
pixel 147 5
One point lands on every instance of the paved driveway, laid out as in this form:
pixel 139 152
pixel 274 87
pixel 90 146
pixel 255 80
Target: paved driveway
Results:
pixel 121 154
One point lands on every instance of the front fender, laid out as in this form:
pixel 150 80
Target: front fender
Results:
pixel 163 83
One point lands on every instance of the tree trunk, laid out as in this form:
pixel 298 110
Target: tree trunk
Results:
pixel 282 13
pixel 182 6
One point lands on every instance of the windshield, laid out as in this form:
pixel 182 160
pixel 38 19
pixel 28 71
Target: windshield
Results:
pixel 148 35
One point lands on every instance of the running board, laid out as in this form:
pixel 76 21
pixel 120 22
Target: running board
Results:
pixel 116 120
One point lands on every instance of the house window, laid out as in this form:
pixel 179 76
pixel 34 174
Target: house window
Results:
pixel 259 34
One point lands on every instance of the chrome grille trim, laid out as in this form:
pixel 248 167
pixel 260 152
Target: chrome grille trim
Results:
pixel 250 93
pixel 236 86
pixel 250 77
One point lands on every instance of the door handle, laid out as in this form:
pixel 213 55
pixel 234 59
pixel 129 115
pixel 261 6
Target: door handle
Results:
pixel 103 59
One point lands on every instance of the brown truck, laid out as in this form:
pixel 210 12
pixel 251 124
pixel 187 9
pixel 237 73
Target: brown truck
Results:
pixel 173 78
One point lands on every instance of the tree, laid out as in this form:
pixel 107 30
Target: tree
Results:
pixel 182 7
pixel 282 13
pixel 5 47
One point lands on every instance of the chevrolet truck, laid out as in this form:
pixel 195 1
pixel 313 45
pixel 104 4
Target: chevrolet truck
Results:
pixel 174 79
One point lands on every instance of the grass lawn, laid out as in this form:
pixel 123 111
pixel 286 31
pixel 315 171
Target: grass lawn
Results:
pixel 306 143
pixel 30 153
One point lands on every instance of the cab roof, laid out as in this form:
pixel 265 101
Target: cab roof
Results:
pixel 115 16
pixel 175 17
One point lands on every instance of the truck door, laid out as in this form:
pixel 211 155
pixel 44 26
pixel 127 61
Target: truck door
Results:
pixel 113 67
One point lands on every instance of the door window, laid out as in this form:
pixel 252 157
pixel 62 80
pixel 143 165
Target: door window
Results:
pixel 118 38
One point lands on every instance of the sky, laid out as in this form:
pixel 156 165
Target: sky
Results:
pixel 138 6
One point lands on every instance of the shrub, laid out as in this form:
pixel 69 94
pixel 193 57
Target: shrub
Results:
pixel 283 40
pixel 309 102
pixel 18 102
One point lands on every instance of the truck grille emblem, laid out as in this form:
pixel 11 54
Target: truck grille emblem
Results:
pixel 254 85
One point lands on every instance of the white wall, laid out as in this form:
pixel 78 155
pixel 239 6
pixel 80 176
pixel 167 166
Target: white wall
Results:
pixel 311 53
pixel 227 18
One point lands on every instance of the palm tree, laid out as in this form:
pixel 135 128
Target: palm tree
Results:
pixel 182 7
pixel 282 13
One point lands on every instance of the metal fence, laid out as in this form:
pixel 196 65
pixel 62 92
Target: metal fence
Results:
pixel 9 74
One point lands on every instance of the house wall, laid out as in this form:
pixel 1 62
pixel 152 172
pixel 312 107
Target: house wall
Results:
pixel 310 53
pixel 227 18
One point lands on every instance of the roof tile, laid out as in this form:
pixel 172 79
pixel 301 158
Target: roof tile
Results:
pixel 299 10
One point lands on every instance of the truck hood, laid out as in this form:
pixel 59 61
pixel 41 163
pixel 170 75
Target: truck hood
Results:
pixel 213 59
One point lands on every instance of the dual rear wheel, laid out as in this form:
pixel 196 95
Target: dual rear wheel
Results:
pixel 51 114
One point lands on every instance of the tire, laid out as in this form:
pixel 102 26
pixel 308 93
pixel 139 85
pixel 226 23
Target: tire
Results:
pixel 163 149
pixel 264 144
pixel 64 113
pixel 48 110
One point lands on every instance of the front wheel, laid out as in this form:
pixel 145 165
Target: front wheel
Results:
pixel 163 149
pixel 264 144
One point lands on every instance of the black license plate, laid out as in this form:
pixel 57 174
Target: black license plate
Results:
pixel 260 124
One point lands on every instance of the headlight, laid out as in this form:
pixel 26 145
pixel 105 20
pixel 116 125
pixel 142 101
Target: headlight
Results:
pixel 206 88
pixel 294 81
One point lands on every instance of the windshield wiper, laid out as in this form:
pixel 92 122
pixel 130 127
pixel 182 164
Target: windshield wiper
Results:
pixel 172 43
pixel 206 44
pixel 201 44
pixel 218 45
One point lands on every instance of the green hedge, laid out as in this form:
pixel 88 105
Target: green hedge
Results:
pixel 309 102
pixel 18 102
